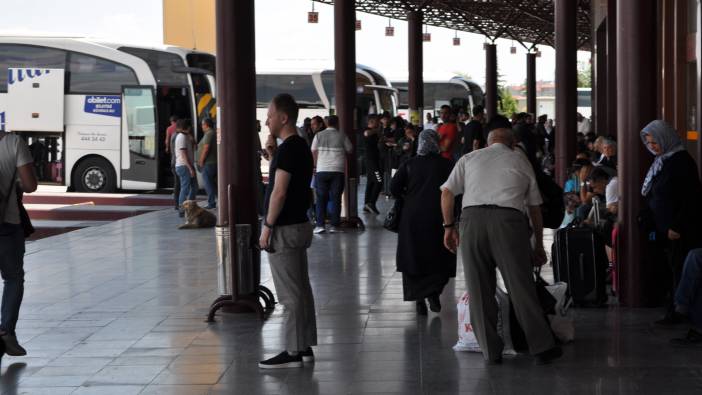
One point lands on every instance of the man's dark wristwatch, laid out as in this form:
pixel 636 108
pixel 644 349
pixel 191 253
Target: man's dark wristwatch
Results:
pixel 449 226
pixel 267 225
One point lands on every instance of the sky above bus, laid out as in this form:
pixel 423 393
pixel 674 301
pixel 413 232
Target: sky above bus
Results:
pixel 284 39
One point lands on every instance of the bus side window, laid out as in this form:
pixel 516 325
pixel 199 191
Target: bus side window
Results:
pixel 28 56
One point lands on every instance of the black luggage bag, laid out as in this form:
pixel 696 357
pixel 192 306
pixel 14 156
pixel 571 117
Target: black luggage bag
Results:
pixel 579 259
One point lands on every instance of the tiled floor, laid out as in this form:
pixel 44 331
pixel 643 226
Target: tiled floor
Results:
pixel 119 309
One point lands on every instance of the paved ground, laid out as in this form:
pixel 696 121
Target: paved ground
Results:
pixel 119 309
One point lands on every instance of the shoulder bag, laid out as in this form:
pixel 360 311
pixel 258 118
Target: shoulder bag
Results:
pixel 25 221
pixel 392 220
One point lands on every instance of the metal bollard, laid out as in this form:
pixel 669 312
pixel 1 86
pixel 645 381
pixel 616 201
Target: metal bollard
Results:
pixel 245 275
pixel 224 262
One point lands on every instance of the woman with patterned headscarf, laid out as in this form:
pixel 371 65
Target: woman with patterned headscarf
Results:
pixel 673 193
pixel 425 264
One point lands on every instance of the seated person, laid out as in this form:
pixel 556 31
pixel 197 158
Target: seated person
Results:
pixel 571 201
pixel 595 187
pixel 688 299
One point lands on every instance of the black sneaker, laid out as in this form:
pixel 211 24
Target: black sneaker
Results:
pixel 307 355
pixel 548 356
pixel 282 361
pixel 693 338
pixel 673 318
pixel 434 303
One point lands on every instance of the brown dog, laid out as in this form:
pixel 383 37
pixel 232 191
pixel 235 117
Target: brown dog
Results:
pixel 197 217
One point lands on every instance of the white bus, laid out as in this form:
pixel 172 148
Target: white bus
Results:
pixel 314 91
pixel 96 113
pixel 457 92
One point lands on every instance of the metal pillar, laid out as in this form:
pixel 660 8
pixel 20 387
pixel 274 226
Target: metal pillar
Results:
pixel 415 51
pixel 600 81
pixel 698 70
pixel 637 106
pixel 566 85
pixel 491 80
pixel 531 84
pixel 345 93
pixel 612 67
pixel 666 83
pixel 236 126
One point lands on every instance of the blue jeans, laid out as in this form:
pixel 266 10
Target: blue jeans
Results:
pixel 209 175
pixel 329 185
pixel 688 294
pixel 12 270
pixel 188 185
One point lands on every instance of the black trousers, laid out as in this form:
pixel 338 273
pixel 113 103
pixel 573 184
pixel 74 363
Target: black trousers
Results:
pixel 374 184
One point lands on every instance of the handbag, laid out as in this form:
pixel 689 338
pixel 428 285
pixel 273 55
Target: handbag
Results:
pixel 392 220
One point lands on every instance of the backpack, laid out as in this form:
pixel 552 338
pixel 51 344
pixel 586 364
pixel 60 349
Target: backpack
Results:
pixel 553 207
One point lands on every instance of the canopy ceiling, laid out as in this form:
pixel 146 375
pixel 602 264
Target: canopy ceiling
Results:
pixel 527 21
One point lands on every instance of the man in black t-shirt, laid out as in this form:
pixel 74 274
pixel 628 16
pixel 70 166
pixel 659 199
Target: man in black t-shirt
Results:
pixel 287 233
pixel 473 137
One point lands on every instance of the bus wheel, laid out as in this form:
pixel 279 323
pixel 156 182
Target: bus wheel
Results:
pixel 95 175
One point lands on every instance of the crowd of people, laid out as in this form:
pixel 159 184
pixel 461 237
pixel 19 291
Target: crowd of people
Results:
pixel 466 185
pixel 471 189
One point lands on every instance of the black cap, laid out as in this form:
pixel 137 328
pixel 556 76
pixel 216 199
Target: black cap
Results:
pixel 498 122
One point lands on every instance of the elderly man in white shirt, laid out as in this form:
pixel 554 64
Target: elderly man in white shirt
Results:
pixel 496 182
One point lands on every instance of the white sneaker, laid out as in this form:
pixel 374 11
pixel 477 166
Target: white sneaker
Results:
pixel 319 230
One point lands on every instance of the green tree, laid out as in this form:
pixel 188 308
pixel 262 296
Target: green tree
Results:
pixel 508 104
pixel 463 75
pixel 584 74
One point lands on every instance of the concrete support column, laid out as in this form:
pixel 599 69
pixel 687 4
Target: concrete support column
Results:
pixel 531 83
pixel 636 107
pixel 491 80
pixel 236 123
pixel 566 85
pixel 415 84
pixel 345 92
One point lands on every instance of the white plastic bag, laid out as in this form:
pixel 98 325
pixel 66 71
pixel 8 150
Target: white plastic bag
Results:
pixel 562 322
pixel 466 337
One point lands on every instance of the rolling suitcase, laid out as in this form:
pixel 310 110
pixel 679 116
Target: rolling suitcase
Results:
pixel 579 259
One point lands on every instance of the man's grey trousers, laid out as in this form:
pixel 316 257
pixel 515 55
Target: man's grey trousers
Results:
pixel 288 265
pixel 499 237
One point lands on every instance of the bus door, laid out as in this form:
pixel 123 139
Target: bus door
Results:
pixel 139 147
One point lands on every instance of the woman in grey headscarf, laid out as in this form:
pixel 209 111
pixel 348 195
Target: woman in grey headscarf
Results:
pixel 425 264
pixel 673 193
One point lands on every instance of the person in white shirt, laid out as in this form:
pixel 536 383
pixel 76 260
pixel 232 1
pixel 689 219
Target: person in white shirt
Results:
pixel 612 195
pixel 430 124
pixel 329 149
pixel 498 185
pixel 584 125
